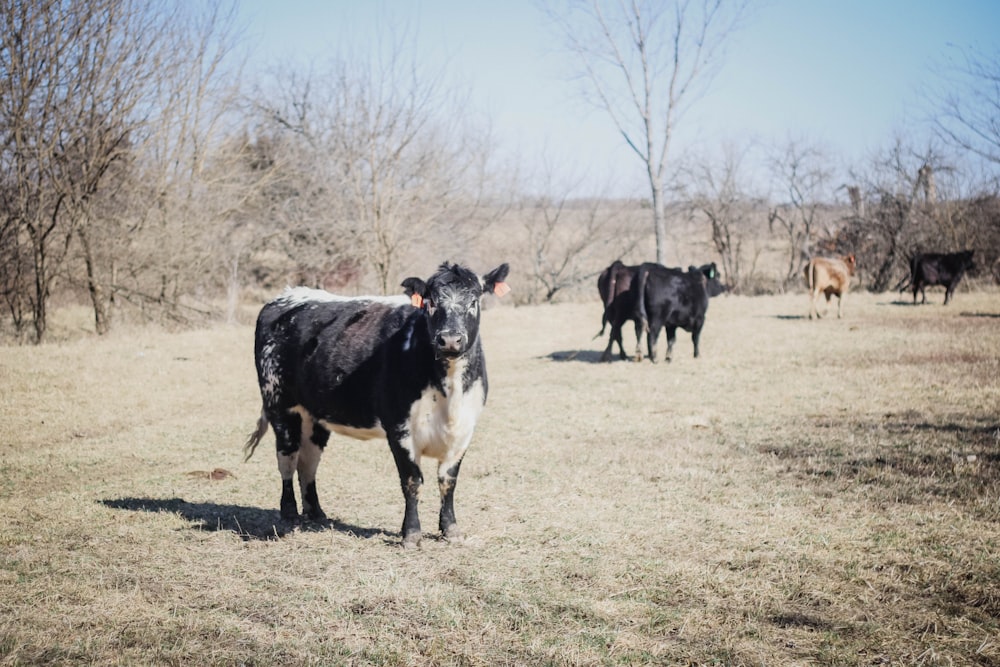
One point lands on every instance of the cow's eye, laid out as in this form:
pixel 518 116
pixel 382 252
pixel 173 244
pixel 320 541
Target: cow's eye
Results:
pixel 474 308
pixel 429 305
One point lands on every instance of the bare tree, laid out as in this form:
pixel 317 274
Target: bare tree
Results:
pixel 567 241
pixel 803 172
pixel 183 193
pixel 898 214
pixel 83 87
pixel 969 112
pixel 642 62
pixel 65 100
pixel 720 195
pixel 384 152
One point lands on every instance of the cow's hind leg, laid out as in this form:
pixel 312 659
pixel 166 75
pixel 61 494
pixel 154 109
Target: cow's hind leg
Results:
pixel 287 435
pixel 606 356
pixel 638 340
pixel 616 331
pixel 447 478
pixel 671 339
pixel 314 439
pixel 651 338
pixel 410 479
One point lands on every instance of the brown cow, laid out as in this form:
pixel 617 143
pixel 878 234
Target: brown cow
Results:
pixel 829 276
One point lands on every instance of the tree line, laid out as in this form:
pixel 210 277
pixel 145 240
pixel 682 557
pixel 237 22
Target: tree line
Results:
pixel 140 174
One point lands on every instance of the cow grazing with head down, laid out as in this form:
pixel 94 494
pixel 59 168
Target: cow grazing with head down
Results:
pixel 672 298
pixel 618 298
pixel 935 268
pixel 828 276
pixel 408 368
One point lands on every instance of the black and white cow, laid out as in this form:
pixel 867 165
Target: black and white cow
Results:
pixel 673 298
pixel 934 268
pixel 407 368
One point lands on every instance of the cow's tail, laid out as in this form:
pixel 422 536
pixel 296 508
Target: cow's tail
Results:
pixel 612 290
pixel 811 275
pixel 255 437
pixel 640 300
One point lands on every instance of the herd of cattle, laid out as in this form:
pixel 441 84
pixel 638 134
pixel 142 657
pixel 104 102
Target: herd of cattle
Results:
pixel 411 368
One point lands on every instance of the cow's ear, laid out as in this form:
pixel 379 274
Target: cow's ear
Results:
pixel 493 282
pixel 416 289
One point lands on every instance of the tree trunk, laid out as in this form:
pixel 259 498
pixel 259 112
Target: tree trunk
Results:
pixel 102 314
pixel 659 217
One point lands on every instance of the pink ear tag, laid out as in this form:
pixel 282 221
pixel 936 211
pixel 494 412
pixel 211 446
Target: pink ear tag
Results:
pixel 417 300
pixel 501 288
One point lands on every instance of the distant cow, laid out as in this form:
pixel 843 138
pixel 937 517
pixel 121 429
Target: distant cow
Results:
pixel 935 268
pixel 672 298
pixel 828 276
pixel 407 368
pixel 618 298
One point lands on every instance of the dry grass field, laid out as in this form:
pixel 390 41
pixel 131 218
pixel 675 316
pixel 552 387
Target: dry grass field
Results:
pixel 805 493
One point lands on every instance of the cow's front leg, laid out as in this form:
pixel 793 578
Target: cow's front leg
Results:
pixel 410 479
pixel 447 478
pixel 695 338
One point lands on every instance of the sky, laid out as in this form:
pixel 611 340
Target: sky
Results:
pixel 844 75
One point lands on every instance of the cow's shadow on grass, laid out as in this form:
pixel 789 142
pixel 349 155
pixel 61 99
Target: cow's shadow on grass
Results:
pixel 250 523
pixel 582 356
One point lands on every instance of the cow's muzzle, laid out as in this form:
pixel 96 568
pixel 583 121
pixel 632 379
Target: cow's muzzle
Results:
pixel 449 344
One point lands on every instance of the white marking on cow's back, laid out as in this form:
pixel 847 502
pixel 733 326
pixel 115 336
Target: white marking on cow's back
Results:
pixel 441 425
pixel 297 295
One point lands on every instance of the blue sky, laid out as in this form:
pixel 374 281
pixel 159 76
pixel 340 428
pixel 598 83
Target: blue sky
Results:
pixel 846 75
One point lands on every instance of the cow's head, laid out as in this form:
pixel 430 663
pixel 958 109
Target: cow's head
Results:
pixel 713 285
pixel 451 299
pixel 965 257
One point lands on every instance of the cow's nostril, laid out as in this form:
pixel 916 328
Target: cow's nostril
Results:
pixel 449 341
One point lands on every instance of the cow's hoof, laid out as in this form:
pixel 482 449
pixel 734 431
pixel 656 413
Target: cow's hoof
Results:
pixel 412 541
pixel 453 534
pixel 290 514
pixel 605 358
pixel 316 515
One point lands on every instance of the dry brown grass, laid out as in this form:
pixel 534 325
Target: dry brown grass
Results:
pixel 805 493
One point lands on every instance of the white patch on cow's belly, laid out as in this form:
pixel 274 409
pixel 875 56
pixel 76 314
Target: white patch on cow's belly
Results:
pixel 353 431
pixel 358 433
pixel 441 427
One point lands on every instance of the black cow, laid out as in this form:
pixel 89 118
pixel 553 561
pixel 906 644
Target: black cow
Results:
pixel 934 268
pixel 408 368
pixel 673 298
pixel 618 298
